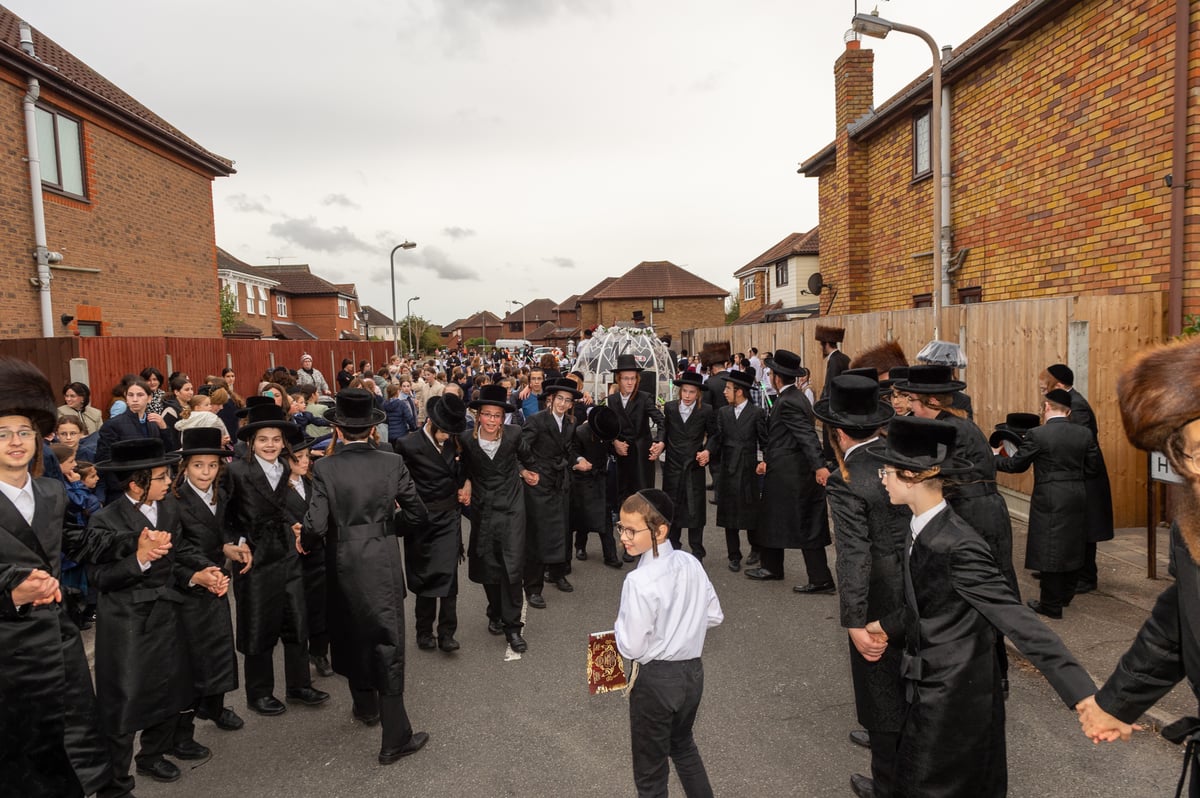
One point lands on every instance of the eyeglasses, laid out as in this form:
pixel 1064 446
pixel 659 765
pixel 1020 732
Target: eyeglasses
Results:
pixel 883 472
pixel 24 434
pixel 627 532
pixel 491 416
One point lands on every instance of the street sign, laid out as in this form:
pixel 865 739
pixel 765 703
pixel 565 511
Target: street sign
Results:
pixel 1161 471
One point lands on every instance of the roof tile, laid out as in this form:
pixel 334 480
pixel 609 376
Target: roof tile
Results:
pixel 659 278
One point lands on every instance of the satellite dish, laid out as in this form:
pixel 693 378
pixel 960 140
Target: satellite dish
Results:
pixel 815 284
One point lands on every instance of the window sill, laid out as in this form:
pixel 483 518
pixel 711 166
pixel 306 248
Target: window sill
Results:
pixel 921 178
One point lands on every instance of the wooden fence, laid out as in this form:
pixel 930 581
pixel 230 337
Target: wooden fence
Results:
pixel 1007 345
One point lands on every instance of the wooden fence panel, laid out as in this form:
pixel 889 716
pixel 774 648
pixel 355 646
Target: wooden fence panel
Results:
pixel 51 355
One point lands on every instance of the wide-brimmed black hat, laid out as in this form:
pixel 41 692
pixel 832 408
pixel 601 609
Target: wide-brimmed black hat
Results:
pixel 919 444
pixel 740 379
pixel 137 454
pixel 853 405
pixel 931 379
pixel 299 440
pixel 1014 428
pixel 895 375
pixel 869 372
pixel 551 387
pixel 354 408
pixel 604 422
pixel 27 393
pixel 202 440
pixel 691 378
pixel 255 401
pixel 448 413
pixel 494 395
pixel 262 416
pixel 785 364
pixel 626 362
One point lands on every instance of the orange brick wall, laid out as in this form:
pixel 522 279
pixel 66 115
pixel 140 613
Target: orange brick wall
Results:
pixel 147 225
pixel 319 315
pixel 760 292
pixel 678 314
pixel 1059 150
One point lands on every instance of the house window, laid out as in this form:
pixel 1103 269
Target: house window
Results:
pixel 60 148
pixel 922 300
pixel 748 287
pixel 88 329
pixel 970 296
pixel 781 273
pixel 249 299
pixel 262 301
pixel 921 143
pixel 514 326
pixel 232 290
pixel 281 306
pixel 658 305
pixel 343 308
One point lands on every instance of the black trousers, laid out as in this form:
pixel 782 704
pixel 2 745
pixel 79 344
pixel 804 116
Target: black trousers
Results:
pixel 1088 573
pixel 695 539
pixel 260 671
pixel 608 545
pixel 210 706
pixel 885 748
pixel 1058 588
pixel 662 710
pixel 771 559
pixel 156 741
pixel 534 574
pixel 733 543
pixel 447 618
pixel 504 604
pixel 816 563
pixel 393 717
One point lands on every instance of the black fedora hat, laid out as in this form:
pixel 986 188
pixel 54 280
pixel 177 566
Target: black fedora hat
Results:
pixel 448 413
pixel 626 362
pixel 895 374
pixel 137 454
pixel 202 440
pixel 869 372
pixel 551 387
pixel 740 379
pixel 299 440
pixel 604 422
pixel 853 405
pixel 919 444
pixel 1013 429
pixel 494 395
pixel 691 378
pixel 785 364
pixel 354 408
pixel 262 416
pixel 255 401
pixel 929 379
pixel 27 393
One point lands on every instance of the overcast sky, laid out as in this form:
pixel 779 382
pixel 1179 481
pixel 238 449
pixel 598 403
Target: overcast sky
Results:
pixel 529 147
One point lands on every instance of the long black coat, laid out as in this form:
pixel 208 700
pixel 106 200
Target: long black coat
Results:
pixel 312 566
pixel 953 743
pixel 736 446
pixel 124 427
pixel 431 549
pixel 551 454
pixel 589 489
pixel 270 596
pixel 207 623
pixel 871 534
pixel 1063 456
pixel 1099 490
pixel 682 476
pixel 143 676
pixel 355 493
pixel 793 514
pixel 496 549
pixel 635 470
pixel 46 698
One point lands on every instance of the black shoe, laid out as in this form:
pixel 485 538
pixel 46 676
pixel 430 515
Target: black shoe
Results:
pixel 752 559
pixel 627 557
pixel 516 642
pixel 414 744
pixel 699 553
pixel 563 585
pixel 495 627
pixel 735 565
pixel 762 574
pixel 161 770
pixel 614 564
pixel 862 786
pixel 426 642
pixel 1085 587
pixel 267 705
pixel 823 589
pixel 228 720
pixel 366 720
pixel 581 554
pixel 321 664
pixel 309 696
pixel 448 644
pixel 536 601
pixel 190 749
pixel 1042 609
pixel 861 737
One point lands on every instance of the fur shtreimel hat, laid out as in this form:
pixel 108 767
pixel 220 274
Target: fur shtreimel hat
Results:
pixel 829 335
pixel 1159 393
pixel 882 358
pixel 27 392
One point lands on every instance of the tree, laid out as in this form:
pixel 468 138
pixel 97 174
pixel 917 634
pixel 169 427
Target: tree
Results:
pixel 733 309
pixel 229 312
pixel 426 336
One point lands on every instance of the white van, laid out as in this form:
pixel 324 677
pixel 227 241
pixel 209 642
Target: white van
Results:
pixel 512 344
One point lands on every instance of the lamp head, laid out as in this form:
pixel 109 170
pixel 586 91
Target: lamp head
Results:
pixel 408 245
pixel 871 25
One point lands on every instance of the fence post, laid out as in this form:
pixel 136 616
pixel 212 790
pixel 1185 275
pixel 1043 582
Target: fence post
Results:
pixel 170 365
pixel 1077 353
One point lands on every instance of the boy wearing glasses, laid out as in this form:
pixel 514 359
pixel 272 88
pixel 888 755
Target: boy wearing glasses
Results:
pixel 667 607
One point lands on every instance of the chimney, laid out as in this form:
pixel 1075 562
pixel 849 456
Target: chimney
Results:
pixel 854 83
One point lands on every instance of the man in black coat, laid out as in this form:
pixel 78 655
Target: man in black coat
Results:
pixel 689 424
pixel 356 490
pixel 1063 456
pixel 794 474
pixel 637 447
pixel 871 534
pixel 836 361
pixel 741 432
pixel 591 509
pixel 1099 522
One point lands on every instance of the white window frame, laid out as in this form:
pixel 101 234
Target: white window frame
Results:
pixel 232 290
pixel 922 156
pixel 281 306
pixel 262 301
pixel 343 308
pixel 782 274
pixel 748 287
pixel 249 298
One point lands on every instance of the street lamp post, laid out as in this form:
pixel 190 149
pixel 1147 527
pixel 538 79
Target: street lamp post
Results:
pixel 408 312
pixel 874 25
pixel 395 326
pixel 522 304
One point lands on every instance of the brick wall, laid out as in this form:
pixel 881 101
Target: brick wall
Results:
pixel 147 226
pixel 678 314
pixel 589 314
pixel 319 315
pixel 760 293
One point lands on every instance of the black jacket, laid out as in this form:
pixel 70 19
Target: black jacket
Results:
pixel 793 506
pixel 1099 490
pixel 123 427
pixel 736 447
pixel 682 477
pixel 635 470
pixel 496 549
pixel 431 550
pixel 550 453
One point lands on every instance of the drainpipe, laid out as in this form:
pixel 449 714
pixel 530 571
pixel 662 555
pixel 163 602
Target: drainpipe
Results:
pixel 41 252
pixel 1179 171
pixel 947 180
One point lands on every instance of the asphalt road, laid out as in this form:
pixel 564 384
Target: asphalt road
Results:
pixel 774 720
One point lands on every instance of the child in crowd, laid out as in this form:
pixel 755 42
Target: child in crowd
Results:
pixel 199 413
pixel 401 415
pixel 81 503
pixel 667 606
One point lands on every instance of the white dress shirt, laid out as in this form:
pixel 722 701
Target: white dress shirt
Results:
pixel 22 498
pixel 274 471
pixel 490 447
pixel 685 410
pixel 151 512
pixel 737 409
pixel 919 521
pixel 210 500
pixel 667 607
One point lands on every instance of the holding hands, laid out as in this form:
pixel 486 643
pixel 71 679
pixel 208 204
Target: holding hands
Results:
pixel 153 544
pixel 213 580
pixel 240 553
pixel 39 588
pixel 1100 726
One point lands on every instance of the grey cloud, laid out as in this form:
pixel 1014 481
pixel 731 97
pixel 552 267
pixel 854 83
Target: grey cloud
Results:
pixel 462 21
pixel 309 234
pixel 458 232
pixel 561 262
pixel 341 200
pixel 436 261
pixel 244 203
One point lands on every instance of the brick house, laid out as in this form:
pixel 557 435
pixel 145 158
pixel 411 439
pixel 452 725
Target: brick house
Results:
pixel 671 299
pixel 127 199
pixel 302 299
pixel 523 321
pixel 1062 139
pixel 587 309
pixel 483 324
pixel 377 325
pixel 774 280
pixel 252 294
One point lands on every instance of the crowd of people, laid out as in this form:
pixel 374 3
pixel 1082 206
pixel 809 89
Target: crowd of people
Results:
pixel 139 518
